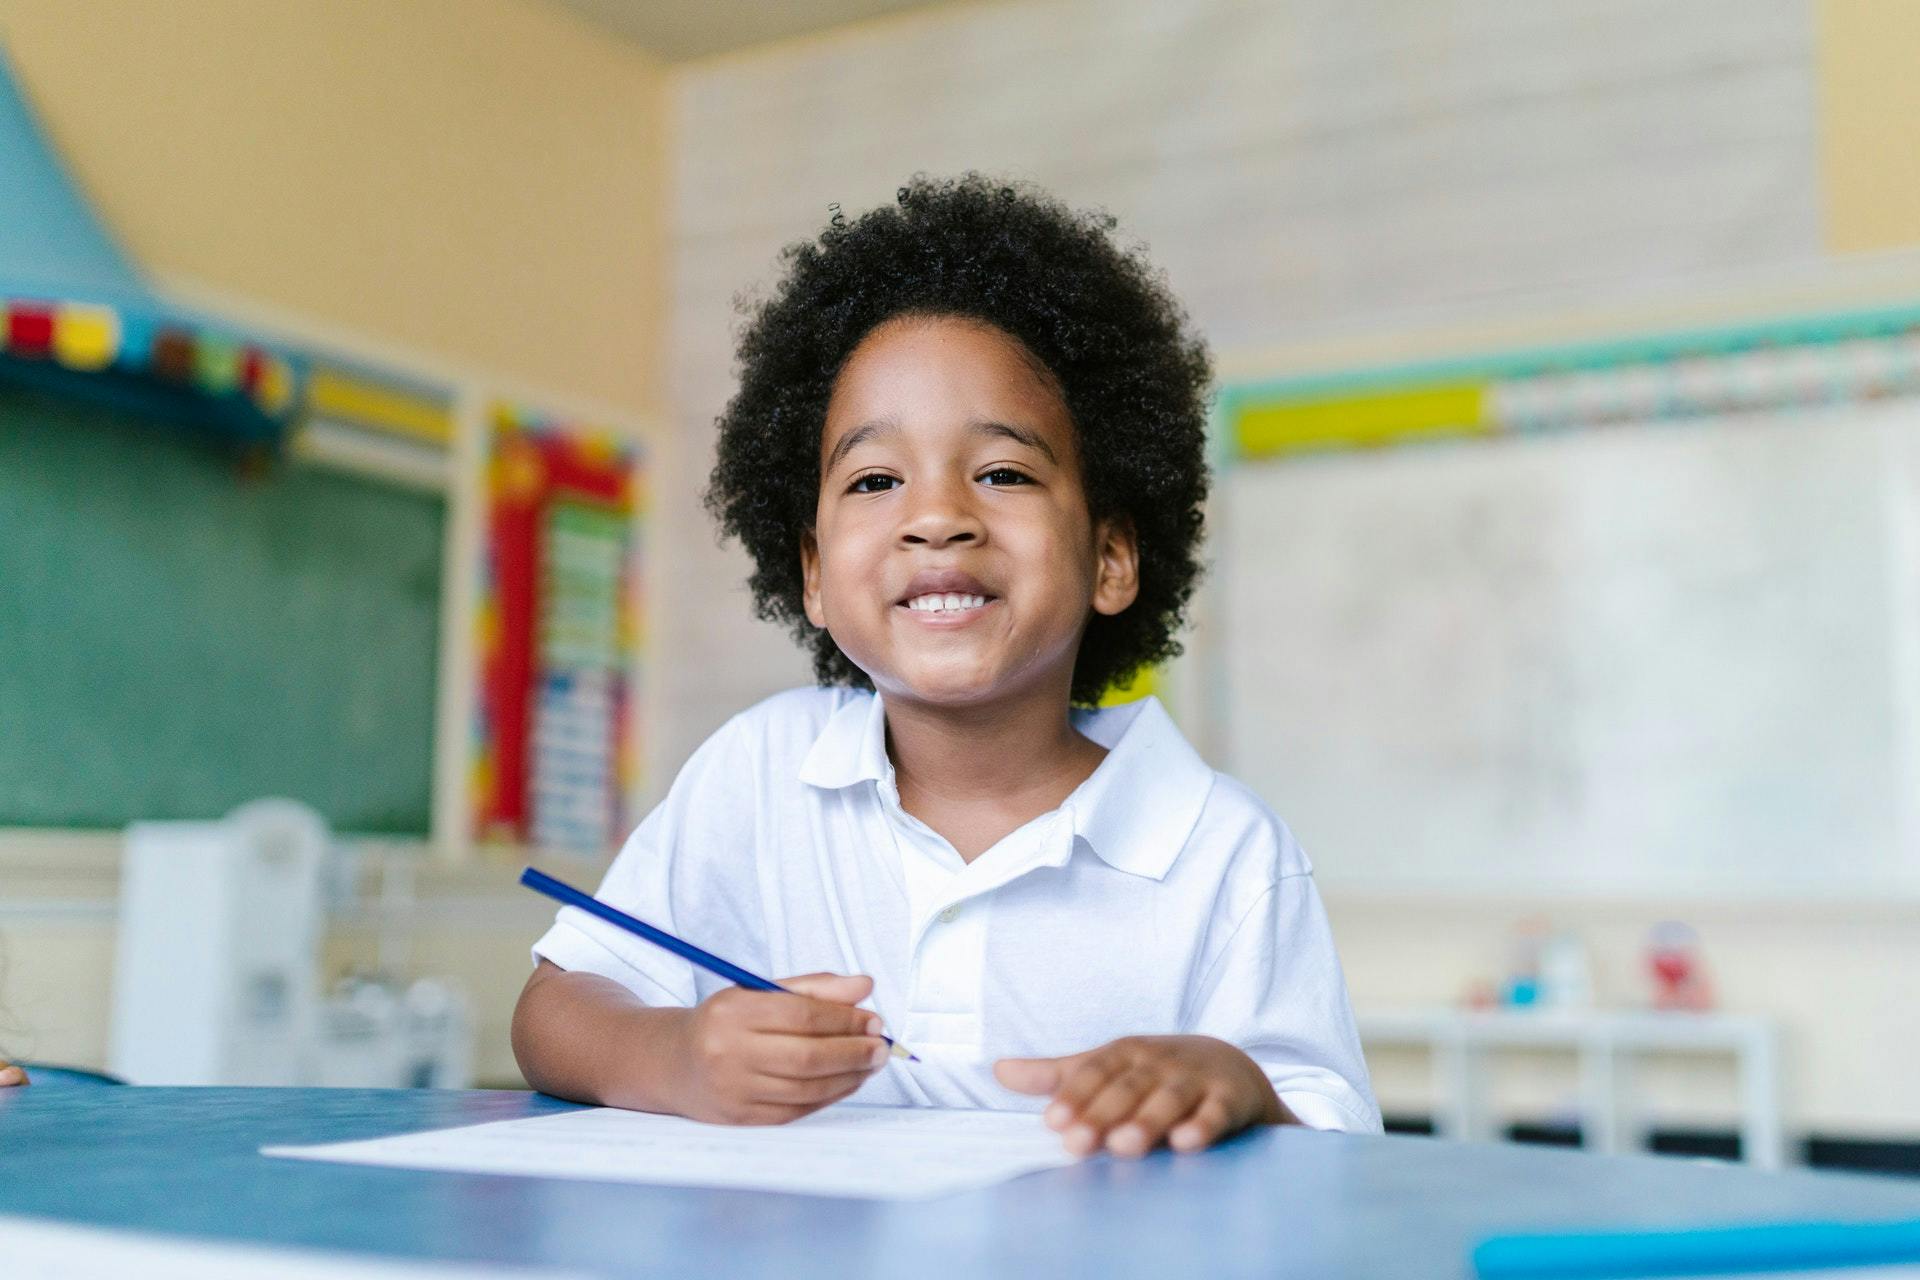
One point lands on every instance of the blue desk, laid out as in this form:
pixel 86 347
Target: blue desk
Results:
pixel 1276 1203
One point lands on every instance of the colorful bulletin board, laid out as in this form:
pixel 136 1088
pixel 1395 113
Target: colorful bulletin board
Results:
pixel 556 752
pixel 1789 363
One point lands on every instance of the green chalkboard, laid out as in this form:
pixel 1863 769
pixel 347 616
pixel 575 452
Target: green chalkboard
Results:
pixel 179 635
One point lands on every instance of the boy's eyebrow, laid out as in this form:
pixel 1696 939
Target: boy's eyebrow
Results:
pixel 858 436
pixel 1019 435
pixel 891 426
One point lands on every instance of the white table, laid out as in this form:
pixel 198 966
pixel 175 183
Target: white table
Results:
pixel 1605 1043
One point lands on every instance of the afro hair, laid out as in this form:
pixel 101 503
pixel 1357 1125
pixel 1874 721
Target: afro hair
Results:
pixel 1098 317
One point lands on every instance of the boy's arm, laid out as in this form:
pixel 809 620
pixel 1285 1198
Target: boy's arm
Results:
pixel 586 1038
pixel 738 1057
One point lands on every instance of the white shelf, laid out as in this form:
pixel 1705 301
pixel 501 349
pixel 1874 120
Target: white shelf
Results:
pixel 1606 1043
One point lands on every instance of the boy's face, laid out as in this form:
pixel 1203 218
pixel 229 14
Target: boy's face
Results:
pixel 952 556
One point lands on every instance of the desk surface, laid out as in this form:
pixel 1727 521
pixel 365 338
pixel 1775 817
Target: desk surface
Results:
pixel 1274 1203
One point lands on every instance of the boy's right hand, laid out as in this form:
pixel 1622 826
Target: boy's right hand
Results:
pixel 766 1057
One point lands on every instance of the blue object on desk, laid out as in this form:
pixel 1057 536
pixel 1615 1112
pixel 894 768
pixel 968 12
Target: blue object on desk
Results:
pixel 561 891
pixel 1279 1204
pixel 1619 1255
pixel 47 1076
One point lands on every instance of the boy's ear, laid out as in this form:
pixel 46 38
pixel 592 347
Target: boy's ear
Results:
pixel 1116 583
pixel 810 579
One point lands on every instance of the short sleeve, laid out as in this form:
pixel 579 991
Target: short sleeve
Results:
pixel 1276 990
pixel 686 870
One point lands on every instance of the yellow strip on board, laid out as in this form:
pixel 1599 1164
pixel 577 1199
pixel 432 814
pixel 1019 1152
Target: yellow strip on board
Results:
pixel 331 394
pixel 1352 422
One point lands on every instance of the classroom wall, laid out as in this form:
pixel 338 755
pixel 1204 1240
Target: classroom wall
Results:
pixel 1327 183
pixel 478 180
pixel 479 183
pixel 1302 172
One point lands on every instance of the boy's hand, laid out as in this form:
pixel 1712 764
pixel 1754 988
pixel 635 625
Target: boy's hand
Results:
pixel 1129 1096
pixel 765 1057
pixel 11 1075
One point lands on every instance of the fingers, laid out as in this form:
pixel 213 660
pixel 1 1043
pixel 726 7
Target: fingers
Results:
pixel 768 1057
pixel 810 1094
pixel 11 1075
pixel 816 1057
pixel 798 1015
pixel 1115 1100
pixel 1029 1075
pixel 834 987
pixel 1204 1127
pixel 1166 1106
pixel 1082 1077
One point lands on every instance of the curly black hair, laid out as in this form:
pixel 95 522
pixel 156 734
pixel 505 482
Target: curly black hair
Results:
pixel 1098 317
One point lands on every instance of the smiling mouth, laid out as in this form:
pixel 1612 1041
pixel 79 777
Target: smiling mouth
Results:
pixel 946 602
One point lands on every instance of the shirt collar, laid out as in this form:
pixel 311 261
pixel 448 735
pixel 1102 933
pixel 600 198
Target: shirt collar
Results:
pixel 1141 804
pixel 852 747
pixel 1135 811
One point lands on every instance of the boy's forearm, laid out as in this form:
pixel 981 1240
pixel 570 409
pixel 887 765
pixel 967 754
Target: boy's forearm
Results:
pixel 588 1039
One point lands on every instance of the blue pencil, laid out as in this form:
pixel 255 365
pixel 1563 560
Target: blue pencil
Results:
pixel 572 897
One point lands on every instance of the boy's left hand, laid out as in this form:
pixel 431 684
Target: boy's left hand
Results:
pixel 1132 1094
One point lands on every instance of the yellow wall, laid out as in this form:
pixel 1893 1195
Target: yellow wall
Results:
pixel 480 180
pixel 1869 51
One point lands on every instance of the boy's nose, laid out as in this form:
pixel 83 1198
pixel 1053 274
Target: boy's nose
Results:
pixel 940 518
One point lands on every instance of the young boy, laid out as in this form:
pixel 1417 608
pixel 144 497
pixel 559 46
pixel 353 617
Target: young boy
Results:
pixel 966 457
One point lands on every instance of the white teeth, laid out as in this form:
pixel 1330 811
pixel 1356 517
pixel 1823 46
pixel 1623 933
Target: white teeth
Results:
pixel 937 603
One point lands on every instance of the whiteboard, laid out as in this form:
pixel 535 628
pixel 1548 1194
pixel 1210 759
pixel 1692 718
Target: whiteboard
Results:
pixel 1673 658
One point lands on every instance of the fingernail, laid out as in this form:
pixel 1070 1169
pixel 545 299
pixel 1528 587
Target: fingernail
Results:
pixel 875 1026
pixel 879 1056
pixel 1125 1139
pixel 1082 1138
pixel 1058 1114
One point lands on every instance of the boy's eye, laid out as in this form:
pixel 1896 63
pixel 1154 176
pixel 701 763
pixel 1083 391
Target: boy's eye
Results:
pixel 872 483
pixel 1006 475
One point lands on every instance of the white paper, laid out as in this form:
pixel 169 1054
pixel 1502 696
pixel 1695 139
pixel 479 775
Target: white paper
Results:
pixel 880 1153
pixel 36 1250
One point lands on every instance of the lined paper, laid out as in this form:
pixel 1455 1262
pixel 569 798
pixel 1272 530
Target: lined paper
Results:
pixel 878 1153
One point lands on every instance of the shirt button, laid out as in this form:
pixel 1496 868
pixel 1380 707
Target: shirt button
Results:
pixel 947 916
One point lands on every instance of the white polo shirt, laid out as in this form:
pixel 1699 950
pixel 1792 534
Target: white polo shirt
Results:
pixel 1159 898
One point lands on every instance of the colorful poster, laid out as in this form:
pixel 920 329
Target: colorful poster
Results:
pixel 560 633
